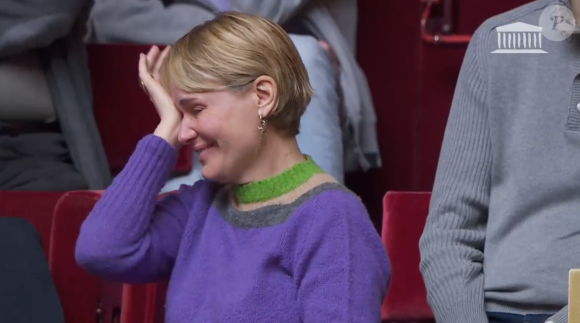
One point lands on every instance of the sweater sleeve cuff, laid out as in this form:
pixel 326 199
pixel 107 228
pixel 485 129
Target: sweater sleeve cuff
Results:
pixel 156 150
pixel 560 317
pixel 463 313
pixel 150 164
pixel 159 148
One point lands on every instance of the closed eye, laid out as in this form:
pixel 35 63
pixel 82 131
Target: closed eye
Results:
pixel 196 110
pixel 191 106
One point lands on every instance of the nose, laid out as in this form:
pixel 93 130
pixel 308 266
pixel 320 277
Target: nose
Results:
pixel 186 132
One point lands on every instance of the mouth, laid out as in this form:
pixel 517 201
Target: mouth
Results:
pixel 201 148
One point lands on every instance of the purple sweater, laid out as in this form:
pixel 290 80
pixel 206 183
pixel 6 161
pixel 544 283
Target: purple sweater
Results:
pixel 317 259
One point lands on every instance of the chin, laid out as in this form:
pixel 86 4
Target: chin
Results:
pixel 213 175
pixel 207 173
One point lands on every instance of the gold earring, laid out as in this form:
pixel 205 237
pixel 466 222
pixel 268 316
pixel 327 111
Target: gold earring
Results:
pixel 262 126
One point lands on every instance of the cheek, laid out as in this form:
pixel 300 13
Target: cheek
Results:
pixel 240 135
pixel 239 123
pixel 210 128
pixel 219 127
pixel 234 126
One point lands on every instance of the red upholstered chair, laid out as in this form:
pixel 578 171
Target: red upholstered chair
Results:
pixel 77 289
pixel 84 297
pixel 57 217
pixel 122 111
pixel 138 303
pixel 404 215
pixel 144 303
pixel 36 207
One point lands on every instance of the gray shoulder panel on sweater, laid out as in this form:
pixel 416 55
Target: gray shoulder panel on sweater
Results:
pixel 268 215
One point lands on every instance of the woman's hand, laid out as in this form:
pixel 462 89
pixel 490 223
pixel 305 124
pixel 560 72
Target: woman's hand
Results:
pixel 150 78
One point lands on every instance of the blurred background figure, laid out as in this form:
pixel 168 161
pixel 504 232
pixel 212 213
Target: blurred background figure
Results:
pixel 48 136
pixel 28 293
pixel 338 128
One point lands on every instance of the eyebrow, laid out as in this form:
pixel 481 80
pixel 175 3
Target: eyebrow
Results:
pixel 184 101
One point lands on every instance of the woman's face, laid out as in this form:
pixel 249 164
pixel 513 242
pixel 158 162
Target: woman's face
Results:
pixel 222 127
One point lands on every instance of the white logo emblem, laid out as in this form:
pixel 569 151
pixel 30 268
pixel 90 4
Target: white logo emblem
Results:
pixel 556 23
pixel 519 38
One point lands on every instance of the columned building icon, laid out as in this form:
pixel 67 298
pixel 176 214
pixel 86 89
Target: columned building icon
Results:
pixel 519 38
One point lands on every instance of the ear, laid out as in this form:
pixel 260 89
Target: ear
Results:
pixel 266 94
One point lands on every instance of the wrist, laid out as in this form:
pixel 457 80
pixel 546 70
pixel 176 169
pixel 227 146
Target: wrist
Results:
pixel 167 133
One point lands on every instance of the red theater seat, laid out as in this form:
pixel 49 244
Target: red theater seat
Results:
pixel 57 217
pixel 112 302
pixel 78 291
pixel 36 207
pixel 90 298
pixel 144 303
pixel 404 216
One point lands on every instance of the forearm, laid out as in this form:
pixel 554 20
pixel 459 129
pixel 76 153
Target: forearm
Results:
pixel 144 21
pixel 116 236
pixel 453 239
pixel 454 236
pixel 454 280
pixel 279 11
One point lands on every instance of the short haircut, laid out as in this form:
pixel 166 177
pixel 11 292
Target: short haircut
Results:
pixel 232 51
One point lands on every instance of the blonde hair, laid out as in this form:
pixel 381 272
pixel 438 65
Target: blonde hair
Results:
pixel 233 50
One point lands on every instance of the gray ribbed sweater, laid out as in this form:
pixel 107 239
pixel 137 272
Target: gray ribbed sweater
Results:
pixel 504 222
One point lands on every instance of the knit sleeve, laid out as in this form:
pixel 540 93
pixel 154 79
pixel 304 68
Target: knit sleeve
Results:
pixel 453 239
pixel 342 270
pixel 129 236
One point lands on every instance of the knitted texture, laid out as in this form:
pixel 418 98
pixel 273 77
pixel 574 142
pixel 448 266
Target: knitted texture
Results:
pixel 319 260
pixel 502 229
pixel 278 185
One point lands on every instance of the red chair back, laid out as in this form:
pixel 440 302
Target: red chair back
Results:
pixel 33 206
pixel 57 216
pixel 77 289
pixel 144 303
pixel 404 216
pixel 84 297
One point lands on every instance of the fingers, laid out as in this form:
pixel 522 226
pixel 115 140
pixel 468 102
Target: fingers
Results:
pixel 150 67
pixel 144 76
pixel 143 69
pixel 152 57
pixel 159 63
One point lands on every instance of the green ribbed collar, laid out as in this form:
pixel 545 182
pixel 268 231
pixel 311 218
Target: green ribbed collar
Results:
pixel 278 185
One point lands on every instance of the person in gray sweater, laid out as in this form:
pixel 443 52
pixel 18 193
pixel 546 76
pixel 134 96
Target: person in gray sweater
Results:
pixel 503 229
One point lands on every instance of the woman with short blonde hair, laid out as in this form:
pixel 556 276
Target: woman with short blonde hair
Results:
pixel 267 236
